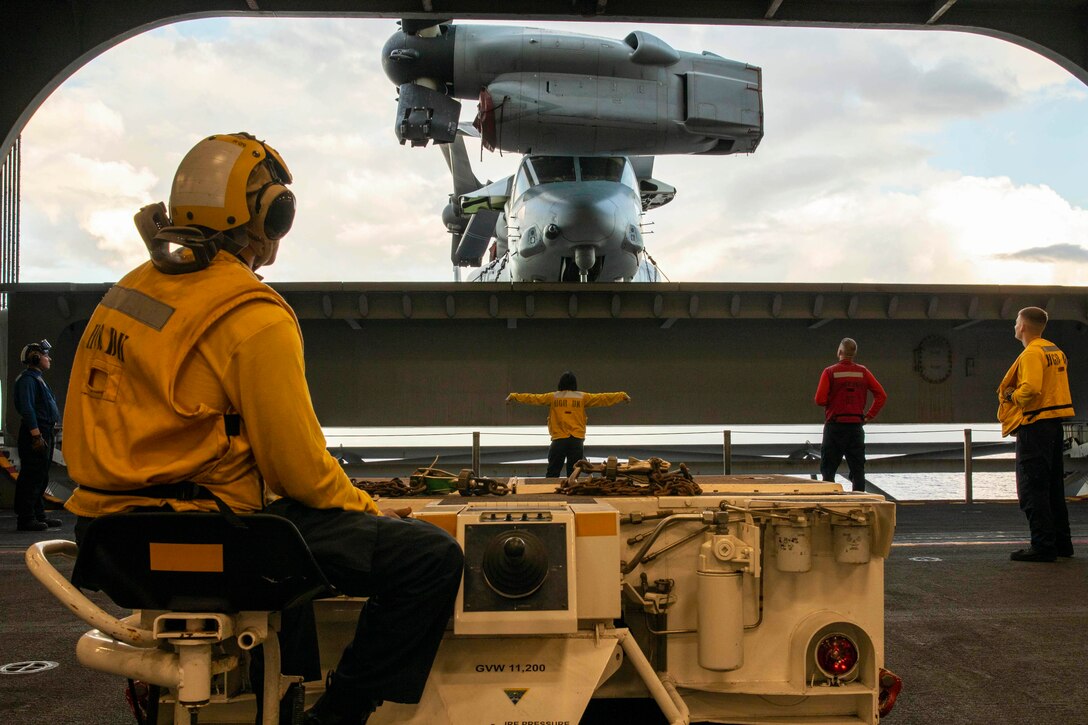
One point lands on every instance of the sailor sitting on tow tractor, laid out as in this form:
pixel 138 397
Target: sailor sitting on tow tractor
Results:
pixel 188 393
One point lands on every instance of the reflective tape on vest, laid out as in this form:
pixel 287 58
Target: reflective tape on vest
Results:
pixel 186 557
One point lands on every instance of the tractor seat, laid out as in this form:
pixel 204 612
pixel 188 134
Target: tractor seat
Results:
pixel 198 562
pixel 201 580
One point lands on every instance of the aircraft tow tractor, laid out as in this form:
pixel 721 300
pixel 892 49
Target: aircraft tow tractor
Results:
pixel 745 599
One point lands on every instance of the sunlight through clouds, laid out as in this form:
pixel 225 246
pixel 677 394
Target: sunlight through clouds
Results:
pixel 991 220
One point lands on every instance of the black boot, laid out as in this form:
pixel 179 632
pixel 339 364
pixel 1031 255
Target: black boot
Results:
pixel 340 705
pixel 291 703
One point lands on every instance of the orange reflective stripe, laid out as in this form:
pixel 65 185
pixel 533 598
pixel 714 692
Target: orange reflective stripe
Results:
pixel 595 523
pixel 186 557
pixel 446 522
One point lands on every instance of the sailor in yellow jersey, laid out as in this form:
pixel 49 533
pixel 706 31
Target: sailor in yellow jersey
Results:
pixel 567 419
pixel 1033 398
pixel 188 393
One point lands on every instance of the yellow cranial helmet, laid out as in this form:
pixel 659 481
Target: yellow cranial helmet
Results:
pixel 228 180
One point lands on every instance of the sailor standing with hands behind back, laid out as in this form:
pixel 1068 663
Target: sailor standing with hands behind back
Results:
pixel 843 391
pixel 38 408
pixel 1033 398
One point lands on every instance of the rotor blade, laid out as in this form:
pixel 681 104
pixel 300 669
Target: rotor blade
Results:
pixel 643 166
pixel 468 129
pixel 412 27
pixel 474 242
pixel 455 239
pixel 460 167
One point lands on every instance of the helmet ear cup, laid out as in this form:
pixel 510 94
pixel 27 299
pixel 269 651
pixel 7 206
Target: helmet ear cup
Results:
pixel 273 211
pixel 230 192
pixel 32 353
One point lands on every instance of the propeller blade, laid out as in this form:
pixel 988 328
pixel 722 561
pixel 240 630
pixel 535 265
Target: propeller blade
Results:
pixel 413 27
pixel 478 234
pixel 460 167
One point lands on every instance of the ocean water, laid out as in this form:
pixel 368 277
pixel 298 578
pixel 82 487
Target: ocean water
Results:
pixel 902 486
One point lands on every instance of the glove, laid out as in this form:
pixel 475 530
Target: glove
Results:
pixel 38 444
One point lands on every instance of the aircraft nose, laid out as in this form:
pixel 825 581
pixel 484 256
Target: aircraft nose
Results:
pixel 582 219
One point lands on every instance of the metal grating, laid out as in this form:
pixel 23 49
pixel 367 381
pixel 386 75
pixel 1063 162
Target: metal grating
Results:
pixel 9 219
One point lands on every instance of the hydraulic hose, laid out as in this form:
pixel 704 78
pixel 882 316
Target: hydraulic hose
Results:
pixel 629 566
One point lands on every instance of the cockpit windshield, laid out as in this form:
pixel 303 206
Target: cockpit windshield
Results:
pixel 602 168
pixel 552 169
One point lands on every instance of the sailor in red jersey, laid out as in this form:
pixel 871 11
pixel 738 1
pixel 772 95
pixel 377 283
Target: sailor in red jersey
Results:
pixel 844 392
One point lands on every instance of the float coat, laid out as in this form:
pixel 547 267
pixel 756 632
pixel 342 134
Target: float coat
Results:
pixel 567 409
pixel 843 391
pixel 169 384
pixel 1040 382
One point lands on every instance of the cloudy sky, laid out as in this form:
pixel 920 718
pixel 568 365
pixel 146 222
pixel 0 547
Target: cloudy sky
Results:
pixel 888 157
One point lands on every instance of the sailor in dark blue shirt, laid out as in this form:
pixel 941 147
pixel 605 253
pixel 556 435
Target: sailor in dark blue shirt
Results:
pixel 38 408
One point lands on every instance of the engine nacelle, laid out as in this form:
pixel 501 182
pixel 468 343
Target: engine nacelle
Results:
pixel 689 113
pixel 549 92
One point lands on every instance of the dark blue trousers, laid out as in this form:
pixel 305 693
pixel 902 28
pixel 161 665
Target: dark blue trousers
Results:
pixel 1040 485
pixel 844 439
pixel 409 569
pixel 571 450
pixel 33 475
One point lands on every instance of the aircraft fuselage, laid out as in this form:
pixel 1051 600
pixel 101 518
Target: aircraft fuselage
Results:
pixel 585 111
pixel 553 227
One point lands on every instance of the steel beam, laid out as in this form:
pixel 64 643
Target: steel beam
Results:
pixel 447 354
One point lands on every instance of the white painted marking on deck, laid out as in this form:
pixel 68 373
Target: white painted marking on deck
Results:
pixel 31 667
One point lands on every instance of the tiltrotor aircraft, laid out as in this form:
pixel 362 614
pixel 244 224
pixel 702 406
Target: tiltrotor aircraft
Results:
pixel 589 114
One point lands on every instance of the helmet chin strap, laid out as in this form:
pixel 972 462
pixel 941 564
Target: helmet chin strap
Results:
pixel 258 251
pixel 179 250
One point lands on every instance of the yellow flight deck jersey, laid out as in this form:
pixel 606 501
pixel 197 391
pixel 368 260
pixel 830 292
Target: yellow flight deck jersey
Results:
pixel 1039 380
pixel 567 409
pixel 166 367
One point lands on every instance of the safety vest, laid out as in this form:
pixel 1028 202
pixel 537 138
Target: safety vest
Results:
pixel 567 409
pixel 848 393
pixel 124 428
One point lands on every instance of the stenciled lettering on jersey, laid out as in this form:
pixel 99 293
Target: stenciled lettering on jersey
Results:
pixel 1055 358
pixel 107 340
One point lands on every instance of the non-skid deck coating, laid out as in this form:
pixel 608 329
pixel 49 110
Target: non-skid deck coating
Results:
pixel 977 639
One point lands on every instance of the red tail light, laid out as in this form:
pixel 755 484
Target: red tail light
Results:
pixel 837 656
